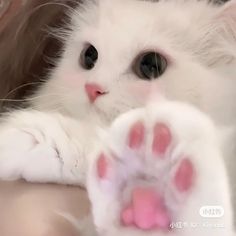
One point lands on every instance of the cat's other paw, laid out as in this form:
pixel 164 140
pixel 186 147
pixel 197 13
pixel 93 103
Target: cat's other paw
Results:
pixel 40 147
pixel 154 171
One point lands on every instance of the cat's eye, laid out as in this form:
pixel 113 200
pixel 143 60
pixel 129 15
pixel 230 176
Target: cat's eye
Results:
pixel 88 57
pixel 150 65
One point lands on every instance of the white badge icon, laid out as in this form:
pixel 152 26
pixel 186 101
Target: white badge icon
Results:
pixel 212 211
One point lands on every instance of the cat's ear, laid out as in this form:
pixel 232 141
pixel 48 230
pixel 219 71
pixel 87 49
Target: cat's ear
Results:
pixel 223 32
pixel 226 18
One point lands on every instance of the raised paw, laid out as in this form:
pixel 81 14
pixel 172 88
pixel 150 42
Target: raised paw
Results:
pixel 146 206
pixel 150 173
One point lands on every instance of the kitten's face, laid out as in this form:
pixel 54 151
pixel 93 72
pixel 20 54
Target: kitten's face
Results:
pixel 120 54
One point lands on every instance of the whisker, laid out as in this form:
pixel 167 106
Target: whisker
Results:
pixel 20 87
pixel 29 98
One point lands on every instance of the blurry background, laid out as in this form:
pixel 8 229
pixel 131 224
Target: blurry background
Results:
pixel 8 8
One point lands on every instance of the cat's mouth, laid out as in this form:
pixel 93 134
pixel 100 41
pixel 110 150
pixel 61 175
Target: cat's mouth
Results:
pixel 107 117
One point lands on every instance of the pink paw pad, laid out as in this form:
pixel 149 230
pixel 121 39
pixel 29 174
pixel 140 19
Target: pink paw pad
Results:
pixel 136 135
pixel 102 166
pixel 162 139
pixel 184 176
pixel 146 211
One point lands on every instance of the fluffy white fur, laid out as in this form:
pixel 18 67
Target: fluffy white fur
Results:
pixel 59 140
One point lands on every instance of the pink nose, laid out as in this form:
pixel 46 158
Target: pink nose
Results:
pixel 93 91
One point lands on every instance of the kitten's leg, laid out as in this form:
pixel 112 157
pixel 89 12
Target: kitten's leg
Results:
pixel 42 147
pixel 154 171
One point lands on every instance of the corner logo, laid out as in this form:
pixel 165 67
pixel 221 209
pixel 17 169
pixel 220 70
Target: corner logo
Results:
pixel 212 212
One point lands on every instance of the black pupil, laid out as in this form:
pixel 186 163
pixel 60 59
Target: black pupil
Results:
pixel 151 65
pixel 90 57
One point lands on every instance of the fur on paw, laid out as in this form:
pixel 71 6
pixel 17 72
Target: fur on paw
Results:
pixel 150 172
pixel 40 147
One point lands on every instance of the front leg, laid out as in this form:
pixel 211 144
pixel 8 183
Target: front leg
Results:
pixel 153 172
pixel 43 147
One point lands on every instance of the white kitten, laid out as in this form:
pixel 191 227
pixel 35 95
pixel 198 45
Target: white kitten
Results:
pixel 142 178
